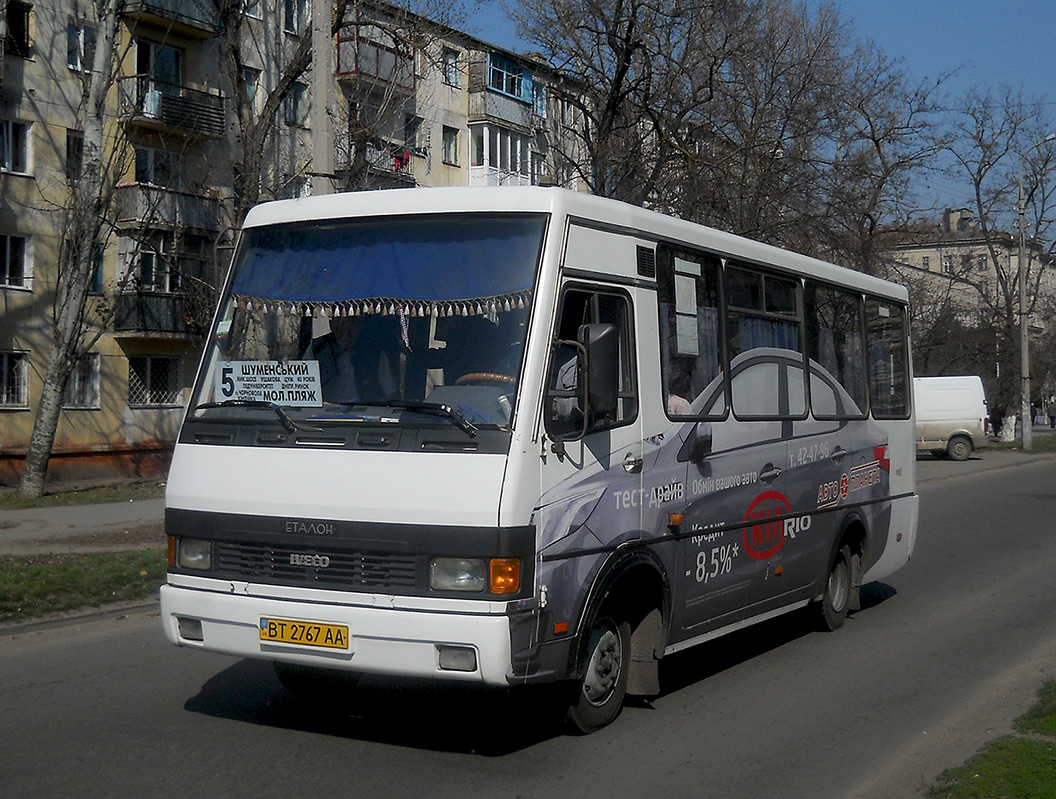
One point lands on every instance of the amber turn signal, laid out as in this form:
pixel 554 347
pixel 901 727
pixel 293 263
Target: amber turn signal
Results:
pixel 505 575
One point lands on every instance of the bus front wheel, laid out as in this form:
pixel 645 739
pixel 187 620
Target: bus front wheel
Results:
pixel 603 684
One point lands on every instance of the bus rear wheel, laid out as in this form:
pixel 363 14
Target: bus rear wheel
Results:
pixel 836 601
pixel 603 685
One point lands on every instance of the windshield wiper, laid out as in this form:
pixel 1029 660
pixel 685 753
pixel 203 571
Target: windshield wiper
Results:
pixel 290 425
pixel 435 408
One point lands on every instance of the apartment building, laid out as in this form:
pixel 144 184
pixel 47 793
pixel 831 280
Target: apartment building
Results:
pixel 959 263
pixel 395 101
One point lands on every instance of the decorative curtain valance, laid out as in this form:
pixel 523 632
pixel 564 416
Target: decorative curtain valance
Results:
pixel 416 266
pixel 388 306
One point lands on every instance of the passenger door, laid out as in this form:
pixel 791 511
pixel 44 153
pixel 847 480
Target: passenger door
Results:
pixel 591 477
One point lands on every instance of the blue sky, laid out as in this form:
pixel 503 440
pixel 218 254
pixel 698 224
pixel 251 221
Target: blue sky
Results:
pixel 990 41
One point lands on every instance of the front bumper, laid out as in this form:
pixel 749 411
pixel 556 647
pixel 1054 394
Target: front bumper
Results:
pixel 387 640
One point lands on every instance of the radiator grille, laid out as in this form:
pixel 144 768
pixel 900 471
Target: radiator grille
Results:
pixel 264 563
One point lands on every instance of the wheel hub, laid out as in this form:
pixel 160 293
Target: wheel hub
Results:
pixel 603 671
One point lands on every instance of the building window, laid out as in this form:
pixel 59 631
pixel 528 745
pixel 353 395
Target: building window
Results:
pixel 14 146
pixel 450 146
pixel 157 268
pixel 295 16
pixel 947 264
pixel 82 386
pixel 17 42
pixel 503 151
pixel 74 154
pixel 509 78
pixel 158 168
pixel 250 86
pixel 539 100
pixel 981 263
pixel 153 380
pixel 925 263
pixel 252 9
pixel 14 265
pixel 297 106
pixel 450 67
pixel 80 47
pixel 162 63
pixel 414 134
pixel 14 386
pixel 96 285
pixel 538 167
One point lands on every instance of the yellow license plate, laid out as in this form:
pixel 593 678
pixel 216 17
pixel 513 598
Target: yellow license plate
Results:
pixel 304 633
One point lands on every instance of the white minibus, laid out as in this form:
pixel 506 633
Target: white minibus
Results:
pixel 511 436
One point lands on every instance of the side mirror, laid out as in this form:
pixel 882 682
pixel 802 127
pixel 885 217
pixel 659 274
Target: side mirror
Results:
pixel 601 349
pixel 698 444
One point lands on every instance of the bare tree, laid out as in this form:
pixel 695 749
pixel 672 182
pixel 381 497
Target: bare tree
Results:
pixel 640 62
pixel 85 230
pixel 754 116
pixel 1000 139
pixel 407 30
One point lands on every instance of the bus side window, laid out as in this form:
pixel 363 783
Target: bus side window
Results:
pixel 564 416
pixel 885 326
pixel 763 325
pixel 835 345
pixel 688 297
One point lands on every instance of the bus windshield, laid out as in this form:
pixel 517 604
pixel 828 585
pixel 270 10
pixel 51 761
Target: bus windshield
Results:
pixel 416 320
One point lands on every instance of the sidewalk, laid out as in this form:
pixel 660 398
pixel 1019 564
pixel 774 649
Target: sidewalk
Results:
pixel 139 524
pixel 118 526
pixel 930 468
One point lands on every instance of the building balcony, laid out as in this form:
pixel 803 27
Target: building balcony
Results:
pixel 489 106
pixel 371 68
pixel 154 314
pixel 389 159
pixel 196 19
pixel 166 209
pixel 167 107
pixel 492 176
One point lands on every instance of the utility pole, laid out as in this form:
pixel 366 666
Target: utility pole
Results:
pixel 321 103
pixel 1027 419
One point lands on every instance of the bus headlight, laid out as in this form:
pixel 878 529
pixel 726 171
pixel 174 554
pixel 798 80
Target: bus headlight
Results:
pixel 195 554
pixel 458 574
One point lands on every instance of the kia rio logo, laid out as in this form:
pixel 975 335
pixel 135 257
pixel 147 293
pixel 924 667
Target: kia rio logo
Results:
pixel 765 533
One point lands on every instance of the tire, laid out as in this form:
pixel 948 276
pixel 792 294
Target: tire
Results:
pixel 959 448
pixel 603 686
pixel 836 601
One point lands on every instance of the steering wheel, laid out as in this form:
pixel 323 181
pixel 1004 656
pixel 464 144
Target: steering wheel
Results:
pixel 485 377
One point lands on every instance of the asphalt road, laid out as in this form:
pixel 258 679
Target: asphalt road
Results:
pixel 944 655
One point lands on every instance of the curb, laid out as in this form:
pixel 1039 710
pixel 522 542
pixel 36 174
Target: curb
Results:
pixel 51 621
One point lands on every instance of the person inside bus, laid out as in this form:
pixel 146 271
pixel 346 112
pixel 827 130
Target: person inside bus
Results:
pixel 355 364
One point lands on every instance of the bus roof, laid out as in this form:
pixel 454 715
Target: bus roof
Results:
pixel 561 202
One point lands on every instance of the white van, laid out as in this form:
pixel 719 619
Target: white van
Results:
pixel 522 435
pixel 950 414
